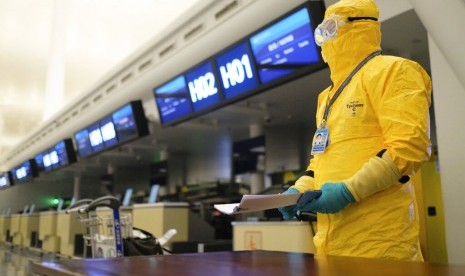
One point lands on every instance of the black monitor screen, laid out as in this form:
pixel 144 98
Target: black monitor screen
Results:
pixel 39 161
pixel 125 124
pixel 62 154
pixel 159 173
pixel 82 143
pixel 248 154
pixel 173 100
pixel 288 42
pixel 107 128
pixel 24 172
pixel 5 180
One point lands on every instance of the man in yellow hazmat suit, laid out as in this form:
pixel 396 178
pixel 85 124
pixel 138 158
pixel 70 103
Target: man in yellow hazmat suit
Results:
pixel 375 121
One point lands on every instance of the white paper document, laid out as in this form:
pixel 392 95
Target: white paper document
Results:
pixel 252 203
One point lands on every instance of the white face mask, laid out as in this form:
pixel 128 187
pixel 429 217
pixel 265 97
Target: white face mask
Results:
pixel 328 29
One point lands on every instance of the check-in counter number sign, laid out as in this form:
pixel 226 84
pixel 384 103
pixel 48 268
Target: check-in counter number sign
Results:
pixel 236 71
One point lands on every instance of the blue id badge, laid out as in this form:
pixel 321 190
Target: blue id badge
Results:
pixel 320 140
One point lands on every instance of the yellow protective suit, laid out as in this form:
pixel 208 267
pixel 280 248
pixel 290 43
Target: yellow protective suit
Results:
pixel 385 106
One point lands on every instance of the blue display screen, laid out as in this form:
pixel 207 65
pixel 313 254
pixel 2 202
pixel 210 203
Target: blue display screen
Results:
pixel 4 180
pixel 107 128
pixel 237 71
pixel 125 124
pixel 51 159
pixel 23 172
pixel 287 42
pixel 82 143
pixel 172 100
pixel 95 137
pixel 62 155
pixel 203 86
pixel 39 161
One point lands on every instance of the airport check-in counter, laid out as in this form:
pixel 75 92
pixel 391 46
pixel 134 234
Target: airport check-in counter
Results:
pixel 158 218
pixel 15 229
pixel 289 236
pixel 29 227
pixel 5 224
pixel 68 228
pixel 48 231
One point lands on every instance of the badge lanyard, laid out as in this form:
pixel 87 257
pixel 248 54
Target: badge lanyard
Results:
pixel 320 140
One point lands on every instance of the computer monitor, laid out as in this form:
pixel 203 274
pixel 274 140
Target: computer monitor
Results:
pixel 127 197
pixel 153 196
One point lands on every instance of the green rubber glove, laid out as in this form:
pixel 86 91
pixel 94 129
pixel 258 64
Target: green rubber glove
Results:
pixel 289 212
pixel 334 197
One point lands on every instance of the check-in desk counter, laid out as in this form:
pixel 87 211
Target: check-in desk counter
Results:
pixel 48 231
pixel 158 218
pixel 29 226
pixel 15 229
pixel 5 224
pixel 106 220
pixel 68 227
pixel 289 236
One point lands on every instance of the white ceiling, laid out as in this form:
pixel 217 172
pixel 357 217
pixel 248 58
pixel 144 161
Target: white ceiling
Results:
pixel 71 42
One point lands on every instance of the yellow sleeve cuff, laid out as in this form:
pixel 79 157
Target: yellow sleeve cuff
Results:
pixel 304 183
pixel 376 175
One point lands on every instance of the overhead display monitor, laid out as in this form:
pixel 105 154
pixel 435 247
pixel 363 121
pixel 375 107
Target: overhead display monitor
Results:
pixel 5 180
pixel 173 100
pixel 39 161
pixel 107 128
pixel 237 70
pixel 285 46
pixel 125 124
pixel 82 143
pixel 203 87
pixel 24 172
pixel 279 52
pixel 53 156
pixel 65 153
pixel 60 155
pixel 95 137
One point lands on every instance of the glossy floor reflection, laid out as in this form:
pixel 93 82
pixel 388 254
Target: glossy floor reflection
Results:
pixel 16 261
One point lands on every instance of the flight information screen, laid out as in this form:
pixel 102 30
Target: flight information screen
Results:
pixel 107 129
pixel 62 154
pixel 39 161
pixel 203 86
pixel 125 124
pixel 173 100
pixel 95 137
pixel 4 180
pixel 237 70
pixel 23 172
pixel 286 44
pixel 82 143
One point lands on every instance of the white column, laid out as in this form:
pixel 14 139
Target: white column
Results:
pixel 54 86
pixel 444 21
pixel 165 189
pixel 449 103
pixel 77 187
pixel 257 179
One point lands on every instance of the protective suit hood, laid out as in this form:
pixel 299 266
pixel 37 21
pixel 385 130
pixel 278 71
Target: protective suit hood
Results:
pixel 355 40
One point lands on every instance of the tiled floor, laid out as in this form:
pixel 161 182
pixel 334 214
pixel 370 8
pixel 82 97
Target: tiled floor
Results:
pixel 16 261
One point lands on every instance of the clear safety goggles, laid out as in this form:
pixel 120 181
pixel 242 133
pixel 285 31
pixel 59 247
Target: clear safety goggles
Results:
pixel 329 27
